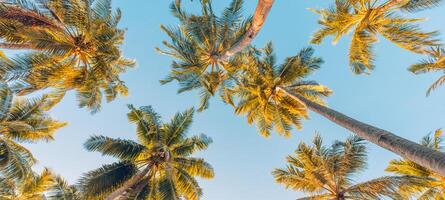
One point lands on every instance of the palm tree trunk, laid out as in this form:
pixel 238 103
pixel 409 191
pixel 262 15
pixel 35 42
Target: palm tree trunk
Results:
pixel 260 15
pixel 424 156
pixel 129 183
pixel 136 189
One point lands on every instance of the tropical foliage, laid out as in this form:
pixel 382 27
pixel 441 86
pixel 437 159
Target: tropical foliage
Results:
pixel 40 186
pixel 196 45
pixel 433 187
pixel 160 159
pixel 75 45
pixel 278 98
pixel 257 97
pixel 327 172
pixel 22 120
pixel 368 19
pixel 435 63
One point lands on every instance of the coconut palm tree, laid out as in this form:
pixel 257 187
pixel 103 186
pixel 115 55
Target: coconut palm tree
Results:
pixel 259 17
pixel 326 173
pixel 262 102
pixel 33 187
pixel 197 44
pixel 433 187
pixel 278 96
pixel 158 166
pixel 61 190
pixel 22 120
pixel 435 63
pixel 368 19
pixel 75 45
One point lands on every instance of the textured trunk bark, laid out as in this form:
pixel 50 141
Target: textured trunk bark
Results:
pixel 407 149
pixel 136 189
pixel 260 15
pixel 129 183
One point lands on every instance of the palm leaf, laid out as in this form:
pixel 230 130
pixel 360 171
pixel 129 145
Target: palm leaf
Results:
pixel 118 148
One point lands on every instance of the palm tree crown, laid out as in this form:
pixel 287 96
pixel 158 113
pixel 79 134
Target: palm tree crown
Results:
pixel 197 44
pixel 367 19
pixel 75 45
pixel 161 160
pixel 433 187
pixel 327 172
pixel 258 98
pixel 33 187
pixel 22 121
pixel 435 63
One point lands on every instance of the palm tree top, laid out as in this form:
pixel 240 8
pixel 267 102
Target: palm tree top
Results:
pixel 366 19
pixel 435 63
pixel 433 185
pixel 161 159
pixel 36 186
pixel 22 120
pixel 326 172
pixel 74 45
pixel 197 44
pixel 257 94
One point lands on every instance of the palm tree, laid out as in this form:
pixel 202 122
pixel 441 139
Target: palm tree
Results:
pixel 433 64
pixel 33 187
pixel 61 190
pixel 262 102
pixel 22 120
pixel 277 96
pixel 326 173
pixel 158 166
pixel 434 183
pixel 75 45
pixel 368 19
pixel 198 43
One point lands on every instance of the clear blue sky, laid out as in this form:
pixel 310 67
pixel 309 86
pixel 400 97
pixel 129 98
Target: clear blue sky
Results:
pixel 391 98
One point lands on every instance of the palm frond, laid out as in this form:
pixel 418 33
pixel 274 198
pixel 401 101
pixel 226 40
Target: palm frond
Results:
pixel 118 148
pixel 99 182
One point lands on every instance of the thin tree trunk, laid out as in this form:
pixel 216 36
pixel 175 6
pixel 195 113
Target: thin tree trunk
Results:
pixel 260 15
pixel 424 156
pixel 129 183
pixel 136 189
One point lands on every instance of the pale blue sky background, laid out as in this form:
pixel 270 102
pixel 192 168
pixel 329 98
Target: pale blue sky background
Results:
pixel 391 98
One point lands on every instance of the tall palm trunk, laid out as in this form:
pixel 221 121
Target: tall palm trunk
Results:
pixel 407 149
pixel 260 15
pixel 136 189
pixel 128 184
